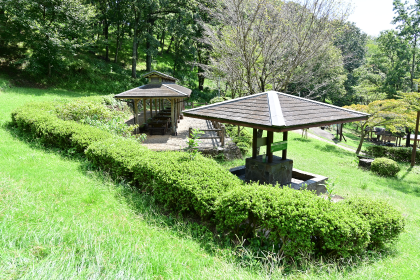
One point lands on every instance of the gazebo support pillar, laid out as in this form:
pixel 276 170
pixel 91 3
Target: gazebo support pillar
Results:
pixel 284 152
pixel 151 107
pixel 254 143
pixel 269 142
pixel 144 110
pixel 136 111
pixel 173 116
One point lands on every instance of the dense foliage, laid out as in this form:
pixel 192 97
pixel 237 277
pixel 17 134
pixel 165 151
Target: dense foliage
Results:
pixel 297 222
pixel 400 154
pixel 385 167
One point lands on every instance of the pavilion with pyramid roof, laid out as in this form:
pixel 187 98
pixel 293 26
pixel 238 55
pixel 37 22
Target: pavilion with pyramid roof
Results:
pixel 161 87
pixel 274 112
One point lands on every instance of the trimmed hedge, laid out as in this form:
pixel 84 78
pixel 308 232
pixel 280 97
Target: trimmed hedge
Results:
pixel 385 167
pixel 296 221
pixel 400 154
pixel 179 183
pixel 40 119
pixel 385 222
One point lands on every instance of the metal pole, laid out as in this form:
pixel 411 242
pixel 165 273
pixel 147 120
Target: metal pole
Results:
pixel 413 155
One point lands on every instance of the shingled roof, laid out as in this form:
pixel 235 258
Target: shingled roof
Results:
pixel 160 74
pixel 156 91
pixel 275 111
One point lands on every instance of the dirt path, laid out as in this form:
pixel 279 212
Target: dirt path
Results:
pixel 320 134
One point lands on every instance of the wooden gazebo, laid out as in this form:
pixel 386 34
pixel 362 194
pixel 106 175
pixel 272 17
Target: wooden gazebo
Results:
pixel 160 87
pixel 274 112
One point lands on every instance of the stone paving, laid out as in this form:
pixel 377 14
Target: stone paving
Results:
pixel 169 142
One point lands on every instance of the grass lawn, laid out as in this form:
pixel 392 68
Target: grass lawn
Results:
pixel 59 218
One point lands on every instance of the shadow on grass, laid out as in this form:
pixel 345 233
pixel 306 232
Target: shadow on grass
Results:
pixel 189 226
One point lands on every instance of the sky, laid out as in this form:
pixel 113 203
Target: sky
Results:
pixel 373 16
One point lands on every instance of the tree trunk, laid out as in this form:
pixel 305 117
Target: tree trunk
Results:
pixel 362 138
pixel 407 141
pixel 117 45
pixel 170 44
pixel 106 34
pixel 148 56
pixel 413 63
pixel 134 57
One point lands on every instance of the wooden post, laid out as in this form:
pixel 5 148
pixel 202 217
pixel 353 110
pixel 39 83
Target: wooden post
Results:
pixel 416 132
pixel 222 127
pixel 341 132
pixel 156 105
pixel 144 110
pixel 284 152
pixel 151 108
pixel 190 132
pixel 173 117
pixel 254 143
pixel 136 112
pixel 269 142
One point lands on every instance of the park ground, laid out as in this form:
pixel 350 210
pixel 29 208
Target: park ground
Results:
pixel 61 218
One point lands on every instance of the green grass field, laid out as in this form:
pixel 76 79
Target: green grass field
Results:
pixel 62 219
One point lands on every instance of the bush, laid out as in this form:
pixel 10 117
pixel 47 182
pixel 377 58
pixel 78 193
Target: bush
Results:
pixel 386 223
pixel 385 167
pixel 179 183
pixel 400 154
pixel 243 140
pixel 41 120
pixel 298 221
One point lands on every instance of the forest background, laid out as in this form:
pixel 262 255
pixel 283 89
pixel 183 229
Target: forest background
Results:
pixel 229 48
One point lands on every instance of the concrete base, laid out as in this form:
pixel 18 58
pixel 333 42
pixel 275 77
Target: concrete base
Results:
pixel 309 181
pixel 300 179
pixel 277 172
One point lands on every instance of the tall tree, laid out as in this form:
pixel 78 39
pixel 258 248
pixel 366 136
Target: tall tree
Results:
pixel 272 40
pixel 50 29
pixel 408 23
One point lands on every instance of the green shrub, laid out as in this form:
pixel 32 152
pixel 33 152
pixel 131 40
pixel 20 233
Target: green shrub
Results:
pixel 386 223
pixel 298 221
pixel 243 140
pixel 385 167
pixel 400 154
pixel 41 120
pixel 178 182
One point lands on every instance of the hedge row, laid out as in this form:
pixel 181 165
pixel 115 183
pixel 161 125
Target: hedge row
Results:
pixel 400 154
pixel 295 221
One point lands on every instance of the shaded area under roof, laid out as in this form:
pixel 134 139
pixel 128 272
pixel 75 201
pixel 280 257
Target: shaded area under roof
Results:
pixel 156 91
pixel 275 111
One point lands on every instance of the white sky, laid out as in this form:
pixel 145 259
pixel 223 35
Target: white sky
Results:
pixel 373 16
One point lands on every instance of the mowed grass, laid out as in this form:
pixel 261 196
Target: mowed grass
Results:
pixel 62 219
pixel 347 180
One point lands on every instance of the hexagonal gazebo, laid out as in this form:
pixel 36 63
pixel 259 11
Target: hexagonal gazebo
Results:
pixel 274 112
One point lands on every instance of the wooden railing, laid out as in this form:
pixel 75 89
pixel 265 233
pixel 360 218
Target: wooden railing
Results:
pixel 219 128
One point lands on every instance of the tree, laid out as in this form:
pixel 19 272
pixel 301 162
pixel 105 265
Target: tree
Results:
pixel 390 113
pixel 50 29
pixel 408 20
pixel 270 44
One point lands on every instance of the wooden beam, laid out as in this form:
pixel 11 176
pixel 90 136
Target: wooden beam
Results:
pixel 269 142
pixel 136 111
pixel 284 152
pixel 254 142
pixel 151 108
pixel 144 110
pixel 173 117
pixel 155 107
